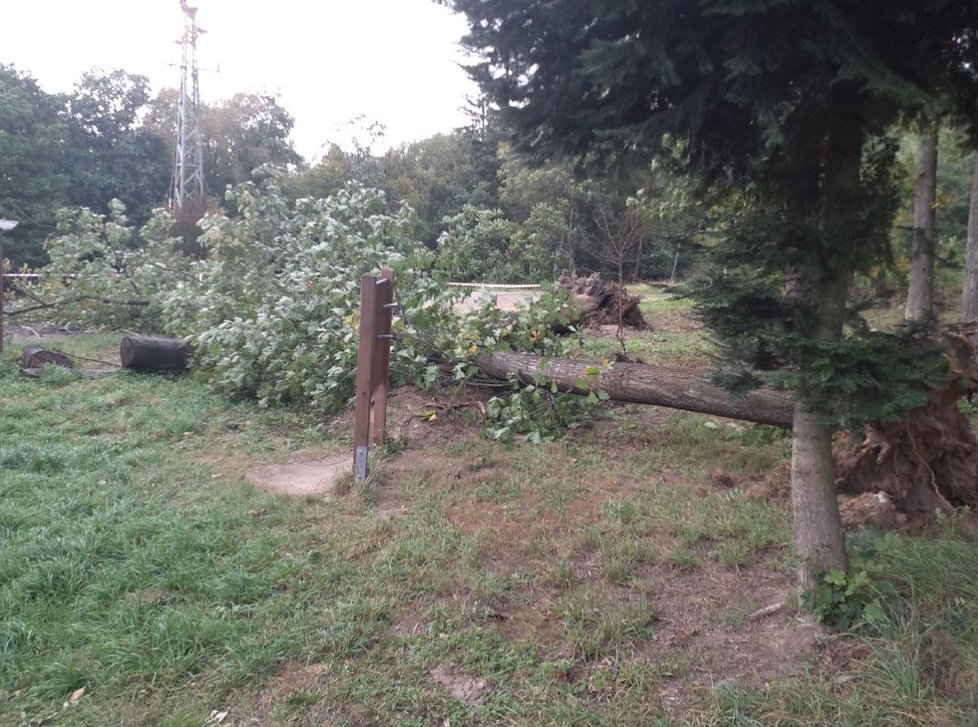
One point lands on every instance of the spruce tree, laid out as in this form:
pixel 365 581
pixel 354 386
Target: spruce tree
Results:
pixel 783 100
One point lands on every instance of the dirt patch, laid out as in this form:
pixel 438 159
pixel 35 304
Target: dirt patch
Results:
pixel 303 684
pixel 299 478
pixel 39 334
pixel 417 420
pixel 702 633
pixel 506 300
pixel 468 689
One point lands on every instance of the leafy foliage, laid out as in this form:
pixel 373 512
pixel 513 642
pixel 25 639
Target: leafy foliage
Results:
pixel 276 312
pixel 272 304
pixel 843 600
pixel 539 412
pixel 33 180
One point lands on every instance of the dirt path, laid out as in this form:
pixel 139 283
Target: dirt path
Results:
pixel 507 300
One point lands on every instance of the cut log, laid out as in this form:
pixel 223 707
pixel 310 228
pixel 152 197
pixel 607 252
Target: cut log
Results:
pixel 155 355
pixel 599 302
pixel 36 357
pixel 671 386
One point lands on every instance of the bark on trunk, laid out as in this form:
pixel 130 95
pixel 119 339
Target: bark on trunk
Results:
pixel 819 539
pixel 969 302
pixel 154 355
pixel 670 386
pixel 920 295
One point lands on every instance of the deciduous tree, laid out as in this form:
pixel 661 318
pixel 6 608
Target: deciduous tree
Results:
pixel 34 178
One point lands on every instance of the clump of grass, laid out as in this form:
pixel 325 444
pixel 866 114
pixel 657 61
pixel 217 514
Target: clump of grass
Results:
pixel 594 630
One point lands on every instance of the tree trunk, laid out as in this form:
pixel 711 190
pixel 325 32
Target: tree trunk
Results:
pixel 677 387
pixel 920 295
pixel 819 540
pixel 154 355
pixel 969 298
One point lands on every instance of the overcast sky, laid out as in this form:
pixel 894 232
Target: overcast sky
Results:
pixel 392 61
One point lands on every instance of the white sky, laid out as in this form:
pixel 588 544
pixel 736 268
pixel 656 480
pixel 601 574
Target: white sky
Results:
pixel 392 61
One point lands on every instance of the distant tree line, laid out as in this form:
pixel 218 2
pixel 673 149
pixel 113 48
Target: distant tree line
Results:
pixel 110 139
pixel 488 210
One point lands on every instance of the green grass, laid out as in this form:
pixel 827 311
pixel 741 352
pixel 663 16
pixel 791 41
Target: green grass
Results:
pixel 136 562
pixel 916 666
pixel 673 339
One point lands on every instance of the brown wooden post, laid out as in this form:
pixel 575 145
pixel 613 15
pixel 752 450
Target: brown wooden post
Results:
pixel 365 360
pixel 382 354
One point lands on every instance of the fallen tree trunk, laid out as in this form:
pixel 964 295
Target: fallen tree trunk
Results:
pixel 154 355
pixel 671 386
pixel 926 461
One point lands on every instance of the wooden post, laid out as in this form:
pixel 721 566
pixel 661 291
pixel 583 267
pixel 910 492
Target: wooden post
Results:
pixel 365 360
pixel 382 354
pixel 373 362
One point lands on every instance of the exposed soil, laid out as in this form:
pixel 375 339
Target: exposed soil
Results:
pixel 700 614
pixel 299 478
pixel 39 334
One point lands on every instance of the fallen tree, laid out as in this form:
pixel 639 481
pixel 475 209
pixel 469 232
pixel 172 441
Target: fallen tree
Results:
pixel 37 357
pixel 926 461
pixel 676 387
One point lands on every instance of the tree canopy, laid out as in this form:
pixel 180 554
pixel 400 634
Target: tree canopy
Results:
pixel 34 179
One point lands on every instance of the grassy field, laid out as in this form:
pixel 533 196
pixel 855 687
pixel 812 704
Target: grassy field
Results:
pixel 611 578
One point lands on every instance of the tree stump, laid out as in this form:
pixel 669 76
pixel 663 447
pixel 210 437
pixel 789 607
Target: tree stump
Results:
pixel 155 355
pixel 35 357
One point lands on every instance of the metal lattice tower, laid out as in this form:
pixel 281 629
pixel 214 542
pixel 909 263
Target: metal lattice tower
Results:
pixel 188 166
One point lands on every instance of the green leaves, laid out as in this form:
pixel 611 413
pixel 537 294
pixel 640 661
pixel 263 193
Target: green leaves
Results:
pixel 538 412
pixel 843 600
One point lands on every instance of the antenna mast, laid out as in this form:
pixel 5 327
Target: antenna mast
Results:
pixel 188 166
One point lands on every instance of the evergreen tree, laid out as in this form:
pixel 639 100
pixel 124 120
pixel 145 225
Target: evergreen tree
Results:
pixel 779 98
